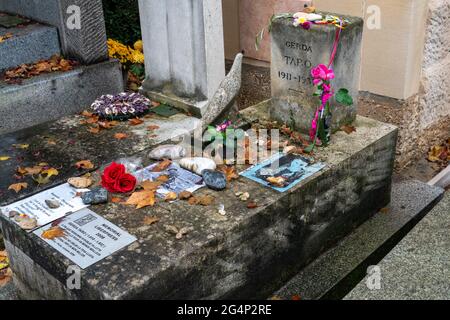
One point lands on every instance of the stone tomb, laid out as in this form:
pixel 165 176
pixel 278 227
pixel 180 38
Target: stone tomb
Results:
pixel 294 52
pixel 246 254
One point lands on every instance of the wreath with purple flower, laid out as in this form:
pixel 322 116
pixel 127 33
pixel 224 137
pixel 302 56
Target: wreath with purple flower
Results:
pixel 122 106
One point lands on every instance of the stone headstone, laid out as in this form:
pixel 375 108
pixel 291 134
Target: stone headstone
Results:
pixel 184 49
pixel 294 52
pixel 88 43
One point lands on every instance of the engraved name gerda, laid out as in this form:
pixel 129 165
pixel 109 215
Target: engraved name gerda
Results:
pixel 297 65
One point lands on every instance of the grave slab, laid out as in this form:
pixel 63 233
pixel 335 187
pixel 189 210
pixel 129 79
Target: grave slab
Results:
pixel 54 95
pixel 245 254
pixel 294 52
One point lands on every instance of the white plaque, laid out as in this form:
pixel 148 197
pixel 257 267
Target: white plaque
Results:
pixel 88 238
pixel 35 206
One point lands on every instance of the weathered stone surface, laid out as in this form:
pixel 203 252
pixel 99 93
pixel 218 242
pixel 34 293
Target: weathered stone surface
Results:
pixel 335 273
pixel 168 152
pixel 51 96
pixel 28 44
pixel 72 143
pixel 188 65
pixel 294 52
pixel 418 268
pixel 87 44
pixel 245 254
pixel 225 97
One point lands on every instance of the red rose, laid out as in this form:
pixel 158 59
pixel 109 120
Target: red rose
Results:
pixel 111 174
pixel 125 183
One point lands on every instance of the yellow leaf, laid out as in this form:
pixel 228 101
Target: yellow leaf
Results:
pixel 84 164
pixel 142 199
pixel 171 196
pixel 150 220
pixel 277 181
pixel 21 146
pixel 50 172
pixel 53 233
pixel 4 158
pixel 150 185
pixel 17 187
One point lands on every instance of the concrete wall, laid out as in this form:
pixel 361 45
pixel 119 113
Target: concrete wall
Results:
pixel 435 78
pixel 394 49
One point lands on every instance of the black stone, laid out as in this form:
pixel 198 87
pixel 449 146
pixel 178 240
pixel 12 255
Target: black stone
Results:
pixel 95 196
pixel 214 180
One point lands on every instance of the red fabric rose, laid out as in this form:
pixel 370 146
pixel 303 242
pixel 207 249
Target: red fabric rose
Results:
pixel 125 183
pixel 116 180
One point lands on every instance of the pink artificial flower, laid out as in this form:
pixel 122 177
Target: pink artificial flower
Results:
pixel 322 72
pixel 306 25
pixel 326 87
pixel 313 130
pixel 326 97
pixel 317 82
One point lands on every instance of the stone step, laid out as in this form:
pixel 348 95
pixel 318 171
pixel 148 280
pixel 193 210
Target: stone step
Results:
pixel 337 271
pixel 418 267
pixel 51 96
pixel 28 44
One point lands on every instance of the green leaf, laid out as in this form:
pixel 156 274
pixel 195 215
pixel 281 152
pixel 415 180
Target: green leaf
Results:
pixel 138 70
pixel 343 97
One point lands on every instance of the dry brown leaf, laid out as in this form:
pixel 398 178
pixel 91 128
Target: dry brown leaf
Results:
pixel 84 164
pixel 33 170
pixel 179 233
pixel 252 205
pixel 171 196
pixel 116 200
pixel 142 199
pixel 107 124
pixel 193 201
pixel 438 154
pixel 384 210
pixel 185 195
pixel 5 276
pixel 230 173
pixel 163 178
pixel 150 220
pixel 348 129
pixel 94 130
pixel 120 136
pixel 80 182
pixel 135 121
pixel 87 114
pixel 53 233
pixel 277 181
pixel 205 200
pixel 17 187
pixel 152 127
pixel 163 165
pixel 150 185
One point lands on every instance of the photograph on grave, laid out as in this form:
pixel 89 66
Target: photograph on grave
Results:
pixel 223 150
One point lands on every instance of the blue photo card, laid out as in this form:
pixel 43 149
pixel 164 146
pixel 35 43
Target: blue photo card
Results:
pixel 293 169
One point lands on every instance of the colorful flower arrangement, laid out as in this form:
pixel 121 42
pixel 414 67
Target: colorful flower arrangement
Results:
pixel 125 54
pixel 122 106
pixel 115 179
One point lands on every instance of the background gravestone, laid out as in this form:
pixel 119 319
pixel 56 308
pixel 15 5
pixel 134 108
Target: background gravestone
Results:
pixel 88 44
pixel 184 46
pixel 294 52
